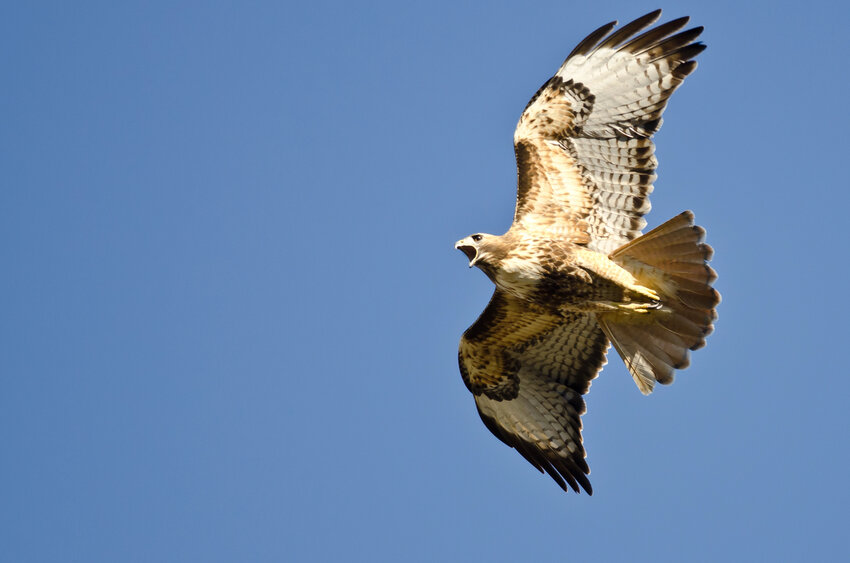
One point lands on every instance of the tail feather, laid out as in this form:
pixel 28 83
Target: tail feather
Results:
pixel 688 330
pixel 691 270
pixel 672 260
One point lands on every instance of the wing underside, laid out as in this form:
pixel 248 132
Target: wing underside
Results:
pixel 585 157
pixel 531 398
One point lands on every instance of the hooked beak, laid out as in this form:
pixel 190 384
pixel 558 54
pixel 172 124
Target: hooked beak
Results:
pixel 470 251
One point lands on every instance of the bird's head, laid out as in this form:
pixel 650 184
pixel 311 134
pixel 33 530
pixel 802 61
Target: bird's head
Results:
pixel 475 247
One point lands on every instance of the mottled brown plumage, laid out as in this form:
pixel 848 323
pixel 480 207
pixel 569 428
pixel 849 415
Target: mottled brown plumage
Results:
pixel 570 274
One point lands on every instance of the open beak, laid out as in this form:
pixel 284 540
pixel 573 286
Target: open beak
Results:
pixel 470 251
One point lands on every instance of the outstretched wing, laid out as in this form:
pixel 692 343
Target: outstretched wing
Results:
pixel 584 152
pixel 528 370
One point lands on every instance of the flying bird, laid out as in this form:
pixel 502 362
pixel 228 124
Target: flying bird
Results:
pixel 573 273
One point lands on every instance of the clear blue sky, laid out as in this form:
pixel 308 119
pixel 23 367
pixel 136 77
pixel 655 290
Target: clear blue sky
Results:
pixel 231 302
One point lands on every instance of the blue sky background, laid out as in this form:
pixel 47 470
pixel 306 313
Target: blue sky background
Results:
pixel 231 302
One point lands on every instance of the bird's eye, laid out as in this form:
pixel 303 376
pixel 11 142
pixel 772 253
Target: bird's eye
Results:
pixel 477 238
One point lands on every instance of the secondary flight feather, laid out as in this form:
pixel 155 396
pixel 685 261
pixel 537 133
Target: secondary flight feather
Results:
pixel 573 273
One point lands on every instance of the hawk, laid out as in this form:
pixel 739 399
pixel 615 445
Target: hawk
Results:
pixel 573 274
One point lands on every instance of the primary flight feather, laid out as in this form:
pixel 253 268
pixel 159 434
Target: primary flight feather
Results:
pixel 573 274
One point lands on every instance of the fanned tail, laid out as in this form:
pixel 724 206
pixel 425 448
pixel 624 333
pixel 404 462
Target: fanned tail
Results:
pixel 672 260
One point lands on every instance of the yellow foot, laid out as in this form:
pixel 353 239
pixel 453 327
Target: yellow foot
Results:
pixel 630 307
pixel 638 307
pixel 646 292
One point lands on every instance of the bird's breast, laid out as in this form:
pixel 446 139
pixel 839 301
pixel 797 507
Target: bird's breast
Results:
pixel 556 275
pixel 519 276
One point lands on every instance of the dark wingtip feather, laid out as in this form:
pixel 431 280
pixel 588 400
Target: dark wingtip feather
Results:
pixel 589 43
pixel 561 476
pixel 684 69
pixel 688 52
pixel 581 478
pixel 694 31
pixel 655 35
pixel 630 29
pixel 668 45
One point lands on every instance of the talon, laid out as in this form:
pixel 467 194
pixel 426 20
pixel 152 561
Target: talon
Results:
pixel 648 293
